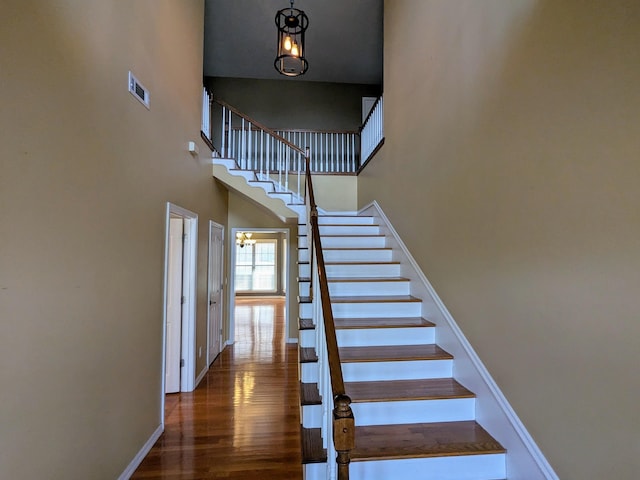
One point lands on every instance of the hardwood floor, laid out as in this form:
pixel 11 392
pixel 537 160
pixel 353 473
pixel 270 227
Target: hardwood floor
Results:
pixel 243 420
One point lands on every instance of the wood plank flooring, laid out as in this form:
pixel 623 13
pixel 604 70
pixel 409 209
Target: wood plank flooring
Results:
pixel 243 421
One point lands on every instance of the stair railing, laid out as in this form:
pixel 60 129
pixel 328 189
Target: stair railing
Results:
pixel 338 417
pixel 332 151
pixel 372 132
pixel 258 148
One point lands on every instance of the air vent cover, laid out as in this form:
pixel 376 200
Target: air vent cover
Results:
pixel 138 90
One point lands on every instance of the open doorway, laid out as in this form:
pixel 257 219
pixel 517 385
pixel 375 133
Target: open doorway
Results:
pixel 179 304
pixel 259 268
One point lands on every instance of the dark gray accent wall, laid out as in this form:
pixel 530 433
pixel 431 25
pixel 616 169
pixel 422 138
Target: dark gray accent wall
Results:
pixel 294 104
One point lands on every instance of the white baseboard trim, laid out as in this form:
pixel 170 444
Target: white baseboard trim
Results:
pixel 525 454
pixel 137 460
pixel 201 376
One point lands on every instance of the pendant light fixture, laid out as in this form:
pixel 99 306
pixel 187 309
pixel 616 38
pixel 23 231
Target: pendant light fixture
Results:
pixel 291 23
pixel 244 238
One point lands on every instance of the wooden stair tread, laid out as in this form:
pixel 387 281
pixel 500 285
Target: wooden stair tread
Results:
pixel 309 394
pixel 423 440
pixel 396 390
pixel 346 323
pixel 390 353
pixel 306 324
pixel 356 235
pixel 308 355
pixel 366 279
pixel 356 248
pixel 359 263
pixel 344 215
pixel 312 451
pixel 376 299
pixel 302 299
pixel 348 225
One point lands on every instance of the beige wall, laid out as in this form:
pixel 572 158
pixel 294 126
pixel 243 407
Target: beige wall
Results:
pixel 86 172
pixel 336 193
pixel 247 215
pixel 511 171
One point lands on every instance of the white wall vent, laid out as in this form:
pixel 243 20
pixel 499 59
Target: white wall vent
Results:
pixel 138 90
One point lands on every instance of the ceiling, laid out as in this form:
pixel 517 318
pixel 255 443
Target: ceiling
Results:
pixel 343 42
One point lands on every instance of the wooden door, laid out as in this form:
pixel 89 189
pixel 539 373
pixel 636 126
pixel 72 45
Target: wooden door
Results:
pixel 216 285
pixel 174 306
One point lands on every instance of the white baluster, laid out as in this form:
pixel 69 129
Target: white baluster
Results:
pixel 224 121
pixel 344 159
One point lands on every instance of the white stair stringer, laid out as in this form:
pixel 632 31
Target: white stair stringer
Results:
pixel 285 205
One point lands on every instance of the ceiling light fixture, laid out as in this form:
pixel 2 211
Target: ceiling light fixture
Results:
pixel 244 238
pixel 290 60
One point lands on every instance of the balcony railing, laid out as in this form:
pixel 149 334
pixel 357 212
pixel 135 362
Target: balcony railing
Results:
pixel 330 151
pixel 372 132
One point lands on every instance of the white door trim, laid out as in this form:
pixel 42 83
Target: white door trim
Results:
pixel 213 225
pixel 231 294
pixel 187 377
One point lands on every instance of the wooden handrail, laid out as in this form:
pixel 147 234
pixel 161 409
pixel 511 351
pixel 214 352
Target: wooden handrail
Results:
pixel 259 125
pixel 311 130
pixel 373 107
pixel 343 420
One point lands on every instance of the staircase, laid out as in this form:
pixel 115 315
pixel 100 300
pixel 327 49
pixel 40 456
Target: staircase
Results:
pixel 413 419
pixel 263 190
pixel 417 407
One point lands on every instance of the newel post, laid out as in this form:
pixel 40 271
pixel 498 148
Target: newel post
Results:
pixel 343 434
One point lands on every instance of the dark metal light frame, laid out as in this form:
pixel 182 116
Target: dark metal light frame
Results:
pixel 290 59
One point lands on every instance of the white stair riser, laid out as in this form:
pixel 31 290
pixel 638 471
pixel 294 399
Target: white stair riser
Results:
pixel 468 467
pixel 303 289
pixel 302 242
pixel 309 372
pixel 315 471
pixel 302 229
pixel 354 242
pixel 344 220
pixel 301 210
pixel 362 270
pixel 414 411
pixel 311 416
pixel 385 336
pixel 349 289
pixel 357 255
pixel 407 370
pixel 266 186
pixel 349 230
pixel 305 310
pixel 307 338
pixel 229 163
pixel 303 254
pixel 377 310
pixel 247 174
pixel 285 197
pixel 304 270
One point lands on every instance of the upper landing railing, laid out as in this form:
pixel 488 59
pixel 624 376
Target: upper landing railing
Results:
pixel 372 132
pixel 257 147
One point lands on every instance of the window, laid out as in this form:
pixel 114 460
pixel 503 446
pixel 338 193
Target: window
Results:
pixel 256 267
